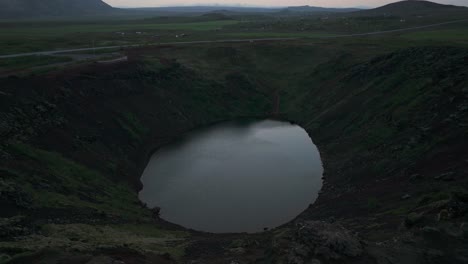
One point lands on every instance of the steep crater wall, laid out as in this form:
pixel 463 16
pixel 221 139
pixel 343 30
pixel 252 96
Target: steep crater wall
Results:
pixel 391 132
pixel 107 120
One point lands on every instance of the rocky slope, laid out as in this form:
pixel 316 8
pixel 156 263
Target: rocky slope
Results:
pixel 392 133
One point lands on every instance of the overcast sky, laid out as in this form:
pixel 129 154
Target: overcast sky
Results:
pixel 326 3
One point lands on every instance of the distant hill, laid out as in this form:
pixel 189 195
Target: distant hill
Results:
pixel 51 8
pixel 237 9
pixel 314 9
pixel 207 9
pixel 413 7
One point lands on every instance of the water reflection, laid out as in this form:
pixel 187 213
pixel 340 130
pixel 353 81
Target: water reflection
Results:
pixel 235 177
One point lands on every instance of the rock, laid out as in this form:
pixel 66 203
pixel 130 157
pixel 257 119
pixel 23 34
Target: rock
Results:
pixel 238 250
pixel 443 215
pixel 415 177
pixel 464 230
pixel 406 197
pixel 4 258
pixel 457 207
pixel 413 218
pixel 448 176
pixel 156 211
pixel 431 232
pixel 314 261
pixel 295 260
pixel 453 231
pixel 316 239
pixel 10 227
pixel 11 192
pixel 326 252
pixel 101 260
pixel 433 253
pixel 41 108
pixel 461 259
pixel 301 250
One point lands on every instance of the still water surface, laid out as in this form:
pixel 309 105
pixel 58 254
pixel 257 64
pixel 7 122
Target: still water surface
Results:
pixel 239 176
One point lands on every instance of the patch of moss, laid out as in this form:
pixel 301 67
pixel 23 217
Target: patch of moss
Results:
pixel 67 184
pixel 90 238
pixel 458 193
pixel 373 203
pixel 4 258
pixel 402 210
pixel 132 125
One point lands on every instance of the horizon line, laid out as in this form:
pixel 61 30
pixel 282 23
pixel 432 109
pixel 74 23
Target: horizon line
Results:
pixel 244 6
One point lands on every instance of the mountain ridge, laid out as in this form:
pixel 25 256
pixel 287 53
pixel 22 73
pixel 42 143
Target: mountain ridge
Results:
pixel 412 7
pixel 51 8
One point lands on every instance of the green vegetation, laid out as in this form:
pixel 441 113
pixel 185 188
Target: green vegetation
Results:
pixel 65 184
pixel 56 30
pixel 455 35
pixel 457 193
pixel 253 35
pixel 373 203
pixel 86 238
pixel 40 36
pixel 28 62
pixel 130 123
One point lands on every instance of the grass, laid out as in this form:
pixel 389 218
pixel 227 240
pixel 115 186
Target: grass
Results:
pixel 278 34
pixel 60 30
pixel 438 35
pixel 70 185
pixel 90 238
pixel 373 203
pixel 132 125
pixel 400 211
pixel 25 37
pixel 26 62
pixel 456 192
pixel 49 35
pixel 431 199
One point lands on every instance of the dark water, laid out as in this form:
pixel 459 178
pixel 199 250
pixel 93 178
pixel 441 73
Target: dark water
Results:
pixel 235 177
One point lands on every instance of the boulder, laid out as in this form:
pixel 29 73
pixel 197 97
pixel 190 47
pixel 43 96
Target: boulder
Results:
pixel 415 177
pixel 431 232
pixel 448 176
pixel 405 197
pixel 310 241
pixel 11 227
pixel 237 251
pixel 413 218
pixel 156 211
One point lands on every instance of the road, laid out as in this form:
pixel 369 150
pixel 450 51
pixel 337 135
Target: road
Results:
pixel 52 52
pixel 398 30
